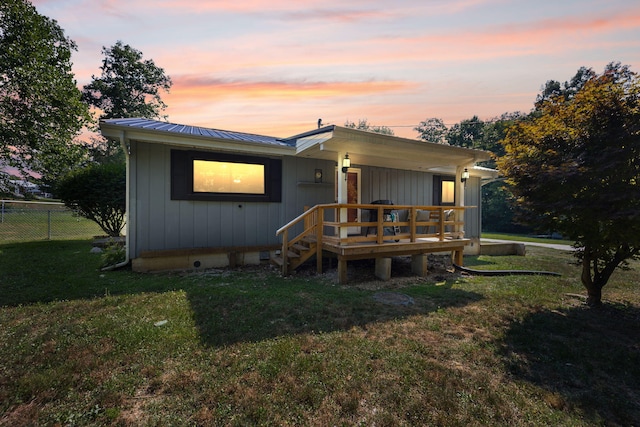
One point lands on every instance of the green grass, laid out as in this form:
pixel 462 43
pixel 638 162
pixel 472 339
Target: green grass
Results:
pixel 525 238
pixel 32 224
pixel 81 347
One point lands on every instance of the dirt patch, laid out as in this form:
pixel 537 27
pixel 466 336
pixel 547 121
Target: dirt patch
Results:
pixel 393 298
pixel 361 273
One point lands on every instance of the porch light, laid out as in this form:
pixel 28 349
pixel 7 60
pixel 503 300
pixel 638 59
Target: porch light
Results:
pixel 465 176
pixel 346 164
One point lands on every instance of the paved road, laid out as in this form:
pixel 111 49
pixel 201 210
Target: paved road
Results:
pixel 544 245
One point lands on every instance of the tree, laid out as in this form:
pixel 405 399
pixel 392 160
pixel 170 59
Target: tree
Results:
pixel 363 124
pixel 554 89
pixel 432 130
pixel 575 165
pixel 468 133
pixel 493 133
pixel 129 86
pixel 498 204
pixel 499 208
pixel 97 192
pixel 41 110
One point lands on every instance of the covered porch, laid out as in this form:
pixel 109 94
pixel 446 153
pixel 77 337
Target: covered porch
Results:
pixel 421 230
pixel 344 230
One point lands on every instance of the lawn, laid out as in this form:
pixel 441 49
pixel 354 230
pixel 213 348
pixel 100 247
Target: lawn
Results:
pixel 37 222
pixel 246 347
pixel 525 238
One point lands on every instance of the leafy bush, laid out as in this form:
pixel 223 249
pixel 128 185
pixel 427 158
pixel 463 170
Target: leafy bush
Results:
pixel 113 254
pixel 97 192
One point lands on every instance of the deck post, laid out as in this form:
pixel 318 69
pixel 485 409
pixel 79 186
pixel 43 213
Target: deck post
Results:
pixel 412 223
pixel 342 270
pixel 383 268
pixel 285 252
pixel 419 264
pixel 458 256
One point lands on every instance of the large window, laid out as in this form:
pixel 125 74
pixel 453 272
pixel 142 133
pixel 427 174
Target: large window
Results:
pixel 210 176
pixel 197 175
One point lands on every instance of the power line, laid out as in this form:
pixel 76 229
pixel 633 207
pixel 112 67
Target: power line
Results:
pixel 479 122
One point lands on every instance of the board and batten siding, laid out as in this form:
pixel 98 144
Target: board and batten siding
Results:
pixel 472 216
pixel 416 188
pixel 400 186
pixel 164 224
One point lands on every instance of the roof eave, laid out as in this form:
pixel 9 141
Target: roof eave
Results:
pixel 374 149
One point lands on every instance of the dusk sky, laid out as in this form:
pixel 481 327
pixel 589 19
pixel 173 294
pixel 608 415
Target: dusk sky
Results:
pixel 274 67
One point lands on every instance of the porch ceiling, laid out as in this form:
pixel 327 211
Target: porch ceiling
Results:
pixel 372 149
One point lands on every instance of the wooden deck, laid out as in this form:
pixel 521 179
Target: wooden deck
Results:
pixel 423 230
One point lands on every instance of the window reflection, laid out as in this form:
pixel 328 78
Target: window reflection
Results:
pixel 228 177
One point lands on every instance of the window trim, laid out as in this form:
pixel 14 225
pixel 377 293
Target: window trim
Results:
pixel 182 177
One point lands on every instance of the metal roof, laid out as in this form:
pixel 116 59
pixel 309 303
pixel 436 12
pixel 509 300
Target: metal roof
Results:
pixel 174 128
pixel 327 143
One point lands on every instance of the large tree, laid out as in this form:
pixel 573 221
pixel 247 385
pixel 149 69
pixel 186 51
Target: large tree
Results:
pixel 468 133
pixel 40 105
pixel 499 208
pixel 575 165
pixel 553 89
pixel 129 86
pixel 432 130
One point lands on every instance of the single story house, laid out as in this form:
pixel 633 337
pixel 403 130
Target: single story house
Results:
pixel 207 198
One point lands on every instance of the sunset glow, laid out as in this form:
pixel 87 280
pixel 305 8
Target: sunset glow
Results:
pixel 274 67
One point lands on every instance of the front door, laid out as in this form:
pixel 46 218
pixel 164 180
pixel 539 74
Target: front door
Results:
pixel 353 196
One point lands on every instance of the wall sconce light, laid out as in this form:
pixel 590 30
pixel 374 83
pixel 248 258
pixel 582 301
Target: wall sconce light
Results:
pixel 346 164
pixel 465 176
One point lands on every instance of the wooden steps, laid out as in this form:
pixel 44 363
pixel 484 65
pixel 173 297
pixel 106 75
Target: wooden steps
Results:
pixel 298 253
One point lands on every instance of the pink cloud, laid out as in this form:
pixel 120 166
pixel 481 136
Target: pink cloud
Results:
pixel 305 9
pixel 537 37
pixel 277 54
pixel 280 108
pixel 340 15
pixel 215 88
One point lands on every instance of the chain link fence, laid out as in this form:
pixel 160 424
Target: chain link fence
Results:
pixel 28 221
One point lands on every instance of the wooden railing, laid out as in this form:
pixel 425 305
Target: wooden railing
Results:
pixel 324 224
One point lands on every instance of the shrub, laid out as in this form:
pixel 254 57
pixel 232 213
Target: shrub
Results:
pixel 97 192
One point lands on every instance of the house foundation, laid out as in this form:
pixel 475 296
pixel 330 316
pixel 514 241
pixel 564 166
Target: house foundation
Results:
pixel 200 259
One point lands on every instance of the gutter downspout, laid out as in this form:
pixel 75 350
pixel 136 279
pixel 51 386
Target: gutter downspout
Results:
pixel 127 154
